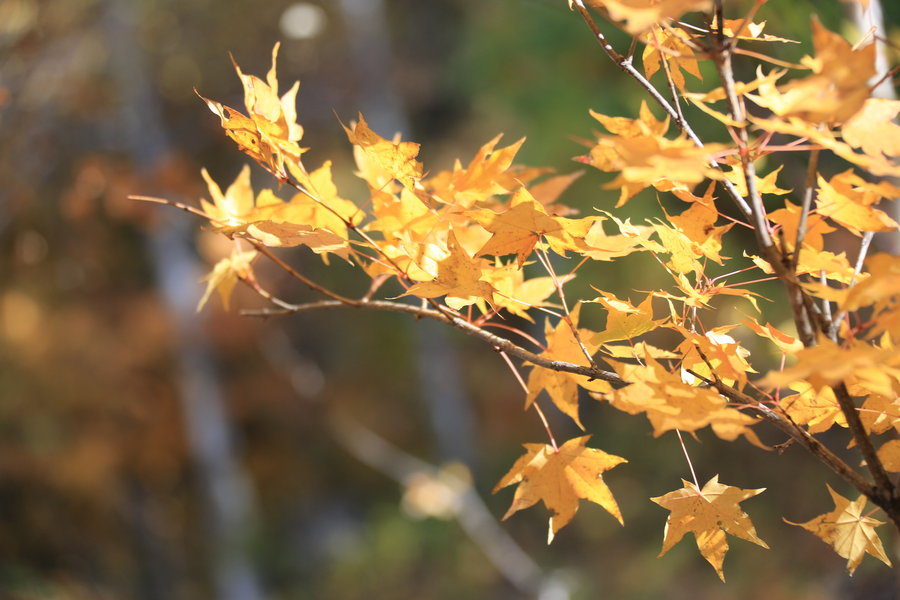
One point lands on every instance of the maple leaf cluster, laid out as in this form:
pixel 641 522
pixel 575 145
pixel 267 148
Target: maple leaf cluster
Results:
pixel 483 241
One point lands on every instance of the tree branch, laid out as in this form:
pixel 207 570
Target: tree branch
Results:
pixel 497 342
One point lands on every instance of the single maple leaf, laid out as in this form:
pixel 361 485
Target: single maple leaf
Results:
pixel 873 129
pixel 789 219
pixel 397 159
pixel 647 124
pixel 458 276
pixel 517 230
pixel 490 172
pixel 624 321
pixel 562 387
pixel 827 364
pixel 708 513
pixel 698 223
pixel 647 160
pixel 638 15
pixel 878 165
pixel 225 274
pixel 598 245
pixel 671 45
pixel 881 287
pixel 280 234
pixel 851 206
pixel 749 31
pixel 787 344
pixel 269 132
pixel 845 529
pixel 560 478
pixel 889 454
pixel 819 410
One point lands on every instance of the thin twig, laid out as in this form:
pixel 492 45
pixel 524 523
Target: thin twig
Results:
pixel 537 408
pixel 456 321
pixel 625 64
pixel 808 194
pixel 857 269
pixel 798 434
pixel 688 458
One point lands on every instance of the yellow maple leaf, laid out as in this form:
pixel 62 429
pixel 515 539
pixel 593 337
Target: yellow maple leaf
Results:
pixel 516 294
pixel 789 219
pixel 396 159
pixel 873 129
pixel 787 344
pixel 280 234
pixel 670 402
pixel 845 529
pixel 875 164
pixel 458 276
pixel 490 172
pixel 749 31
pixel 709 514
pixel 599 245
pixel 828 364
pixel 817 409
pixel 698 223
pixel 562 387
pixel 834 92
pixel 889 454
pixel 269 132
pixel 671 45
pixel 225 274
pixel 560 478
pixel 638 15
pixel 646 124
pixel 881 286
pixel 235 206
pixel 624 321
pixel 646 160
pixel 851 206
pixel 516 230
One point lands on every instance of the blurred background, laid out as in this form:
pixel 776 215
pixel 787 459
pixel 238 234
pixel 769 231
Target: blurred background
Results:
pixel 150 452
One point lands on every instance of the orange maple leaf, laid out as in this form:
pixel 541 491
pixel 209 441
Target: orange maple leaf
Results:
pixel 849 204
pixel 708 513
pixel 281 234
pixel 649 159
pixel 873 129
pixel 458 276
pixel 562 387
pixel 225 274
pixel 490 172
pixel 517 230
pixel 270 133
pixel 845 529
pixel 836 89
pixel 560 478
pixel 396 159
pixel 624 321
pixel 638 15
pixel 672 46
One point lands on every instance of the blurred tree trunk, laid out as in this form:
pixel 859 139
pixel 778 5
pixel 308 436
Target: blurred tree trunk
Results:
pixel 866 20
pixel 449 411
pixel 227 496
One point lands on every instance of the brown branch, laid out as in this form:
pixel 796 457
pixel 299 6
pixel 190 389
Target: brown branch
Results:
pixel 884 488
pixel 497 342
pixel 798 434
pixel 808 194
pixel 625 64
